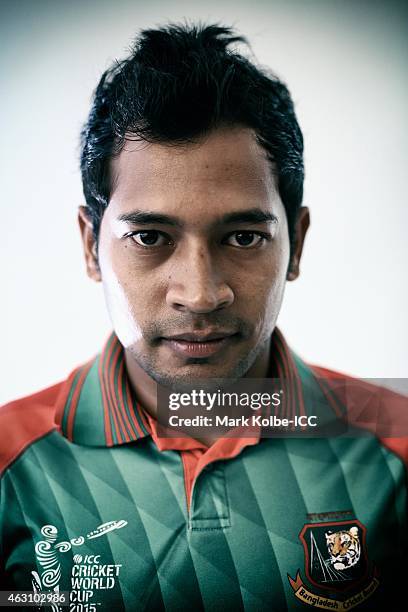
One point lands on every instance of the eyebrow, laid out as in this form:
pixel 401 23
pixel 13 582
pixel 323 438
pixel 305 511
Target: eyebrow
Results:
pixel 141 217
pixel 251 215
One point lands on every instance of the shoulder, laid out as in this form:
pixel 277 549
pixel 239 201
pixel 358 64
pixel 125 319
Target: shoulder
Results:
pixel 370 406
pixel 25 420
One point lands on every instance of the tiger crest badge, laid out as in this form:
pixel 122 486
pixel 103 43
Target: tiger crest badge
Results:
pixel 336 563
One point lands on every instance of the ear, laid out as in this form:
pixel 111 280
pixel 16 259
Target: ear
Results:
pixel 89 244
pixel 301 227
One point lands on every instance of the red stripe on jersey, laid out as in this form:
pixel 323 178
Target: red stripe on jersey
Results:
pixel 106 411
pixel 290 405
pixel 122 401
pixel 107 379
pixel 123 436
pixel 399 446
pixel 23 421
pixel 75 399
pixel 374 402
pixel 329 392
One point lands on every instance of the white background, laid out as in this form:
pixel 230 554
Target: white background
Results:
pixel 344 62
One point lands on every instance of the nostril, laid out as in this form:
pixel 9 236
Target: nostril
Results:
pixel 200 304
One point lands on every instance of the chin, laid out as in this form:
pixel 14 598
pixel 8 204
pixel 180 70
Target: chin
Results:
pixel 206 375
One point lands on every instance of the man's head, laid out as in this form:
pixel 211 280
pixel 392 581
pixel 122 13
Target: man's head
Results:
pixel 193 177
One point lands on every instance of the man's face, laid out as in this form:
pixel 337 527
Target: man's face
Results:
pixel 193 255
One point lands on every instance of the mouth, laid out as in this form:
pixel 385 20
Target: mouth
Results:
pixel 199 344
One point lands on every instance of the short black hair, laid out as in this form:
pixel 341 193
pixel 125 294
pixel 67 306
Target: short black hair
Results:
pixel 180 82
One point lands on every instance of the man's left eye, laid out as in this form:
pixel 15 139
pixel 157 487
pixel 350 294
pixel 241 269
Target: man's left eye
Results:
pixel 245 239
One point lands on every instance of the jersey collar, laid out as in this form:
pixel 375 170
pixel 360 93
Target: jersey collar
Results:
pixel 98 407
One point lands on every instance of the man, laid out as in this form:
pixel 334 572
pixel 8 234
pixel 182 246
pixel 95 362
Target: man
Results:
pixel 192 172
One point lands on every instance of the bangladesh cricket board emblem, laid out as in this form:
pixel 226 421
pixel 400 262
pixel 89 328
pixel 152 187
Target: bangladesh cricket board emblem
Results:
pixel 336 566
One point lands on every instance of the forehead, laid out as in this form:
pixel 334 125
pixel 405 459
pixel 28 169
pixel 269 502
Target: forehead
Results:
pixel 225 171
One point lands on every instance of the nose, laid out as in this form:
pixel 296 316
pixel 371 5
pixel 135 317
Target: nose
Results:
pixel 195 284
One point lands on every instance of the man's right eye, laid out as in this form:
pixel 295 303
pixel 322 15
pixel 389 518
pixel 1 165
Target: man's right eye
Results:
pixel 150 238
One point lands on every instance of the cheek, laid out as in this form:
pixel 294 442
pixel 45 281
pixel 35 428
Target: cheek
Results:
pixel 263 291
pixel 122 311
pixel 130 296
pixel 277 274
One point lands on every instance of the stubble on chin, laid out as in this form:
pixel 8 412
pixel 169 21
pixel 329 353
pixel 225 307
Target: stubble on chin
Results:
pixel 184 378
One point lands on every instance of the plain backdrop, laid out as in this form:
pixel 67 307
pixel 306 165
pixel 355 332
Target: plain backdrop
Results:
pixel 345 64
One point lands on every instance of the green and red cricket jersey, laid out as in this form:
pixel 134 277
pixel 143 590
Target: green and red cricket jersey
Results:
pixel 93 502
